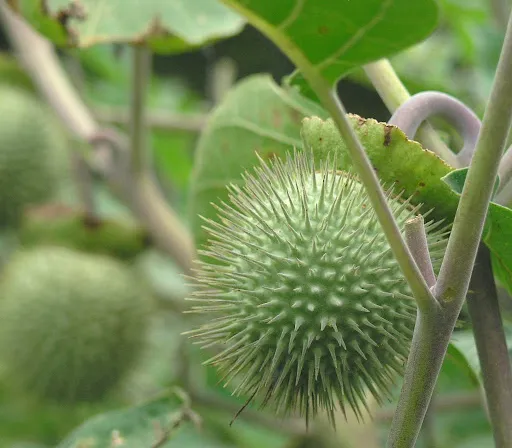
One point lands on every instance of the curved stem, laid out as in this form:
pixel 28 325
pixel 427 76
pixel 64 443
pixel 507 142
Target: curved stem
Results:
pixel 418 108
pixel 141 72
pixel 393 93
pixel 505 169
pixel 492 349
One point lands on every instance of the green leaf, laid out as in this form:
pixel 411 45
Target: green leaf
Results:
pixel 498 238
pixel 397 160
pixel 497 232
pixel 139 426
pixel 332 37
pixel 456 179
pixel 257 116
pixel 464 343
pixel 167 27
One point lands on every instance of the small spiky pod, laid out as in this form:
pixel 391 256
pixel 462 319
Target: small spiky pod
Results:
pixel 313 311
pixel 71 324
pixel 32 152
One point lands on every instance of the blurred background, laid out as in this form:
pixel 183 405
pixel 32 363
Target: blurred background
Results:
pixel 459 59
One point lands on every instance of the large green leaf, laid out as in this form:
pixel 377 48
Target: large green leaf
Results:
pixel 257 116
pixel 167 26
pixel 333 37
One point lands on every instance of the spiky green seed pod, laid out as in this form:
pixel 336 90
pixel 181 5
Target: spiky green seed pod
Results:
pixel 32 148
pixel 71 324
pixel 312 309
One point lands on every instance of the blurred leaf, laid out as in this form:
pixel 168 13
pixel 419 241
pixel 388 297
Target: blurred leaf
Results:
pixel 462 350
pixel 333 38
pixel 11 73
pixel 170 27
pixel 248 435
pixel 100 62
pixel 22 419
pixel 255 117
pixel 164 277
pixel 137 427
pixel 173 155
pixel 464 343
pixel 499 240
pixel 482 441
pixel 464 16
pixel 457 374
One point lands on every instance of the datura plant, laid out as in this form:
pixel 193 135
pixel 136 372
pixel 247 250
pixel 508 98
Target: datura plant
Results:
pixel 305 300
pixel 333 269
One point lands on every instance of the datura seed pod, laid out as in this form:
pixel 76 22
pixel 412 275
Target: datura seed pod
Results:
pixel 32 154
pixel 312 310
pixel 71 324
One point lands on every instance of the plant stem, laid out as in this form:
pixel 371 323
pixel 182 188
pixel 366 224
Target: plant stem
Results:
pixel 469 220
pixel 434 328
pixel 492 349
pixel 84 183
pixel 141 75
pixel 221 78
pixel 193 123
pixel 500 10
pixel 430 341
pixel 423 105
pixel 363 166
pixel 393 93
pixel 416 239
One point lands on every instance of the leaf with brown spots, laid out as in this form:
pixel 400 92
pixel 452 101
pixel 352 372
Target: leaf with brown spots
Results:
pixel 397 160
pixel 243 124
pixel 166 26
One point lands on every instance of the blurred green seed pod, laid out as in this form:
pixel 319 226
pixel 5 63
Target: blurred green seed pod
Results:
pixel 32 153
pixel 71 324
pixel 304 299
